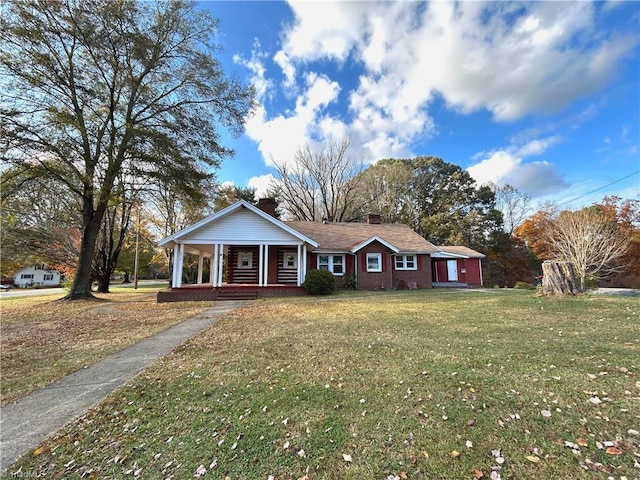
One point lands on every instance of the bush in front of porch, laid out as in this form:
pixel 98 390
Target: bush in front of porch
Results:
pixel 319 282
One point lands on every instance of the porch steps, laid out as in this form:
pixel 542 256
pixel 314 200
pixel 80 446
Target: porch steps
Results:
pixel 237 294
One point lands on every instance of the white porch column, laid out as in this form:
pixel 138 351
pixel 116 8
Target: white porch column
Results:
pixel 178 263
pixel 265 270
pixel 260 264
pixel 220 258
pixel 176 266
pixel 211 274
pixel 300 266
pixel 200 265
pixel 304 263
pixel 214 266
pixel 480 265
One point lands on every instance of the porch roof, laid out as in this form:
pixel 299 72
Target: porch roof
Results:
pixel 243 223
pixel 451 251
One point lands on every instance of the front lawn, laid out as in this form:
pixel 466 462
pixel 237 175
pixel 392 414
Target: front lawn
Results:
pixel 426 384
pixel 44 339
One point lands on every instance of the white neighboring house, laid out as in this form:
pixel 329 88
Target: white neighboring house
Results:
pixel 36 275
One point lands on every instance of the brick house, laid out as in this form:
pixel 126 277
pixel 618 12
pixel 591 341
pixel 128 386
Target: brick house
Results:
pixel 250 253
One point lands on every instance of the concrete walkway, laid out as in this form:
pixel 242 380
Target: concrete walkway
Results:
pixel 26 423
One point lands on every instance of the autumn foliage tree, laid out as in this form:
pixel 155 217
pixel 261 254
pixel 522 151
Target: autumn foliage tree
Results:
pixel 626 214
pixel 596 240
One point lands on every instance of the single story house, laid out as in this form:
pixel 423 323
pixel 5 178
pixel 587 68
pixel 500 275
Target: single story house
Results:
pixel 250 253
pixel 36 276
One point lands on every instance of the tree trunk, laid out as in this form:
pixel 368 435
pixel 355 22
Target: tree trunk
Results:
pixel 559 278
pixel 103 281
pixel 81 287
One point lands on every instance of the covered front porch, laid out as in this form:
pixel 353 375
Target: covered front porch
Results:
pixel 261 265
pixel 239 251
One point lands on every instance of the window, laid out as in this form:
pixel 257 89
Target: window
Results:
pixel 48 277
pixel 245 259
pixel 26 275
pixel 406 262
pixel 374 262
pixel 290 260
pixel 333 263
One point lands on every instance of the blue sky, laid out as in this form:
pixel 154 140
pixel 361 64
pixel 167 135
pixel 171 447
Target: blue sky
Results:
pixel 544 96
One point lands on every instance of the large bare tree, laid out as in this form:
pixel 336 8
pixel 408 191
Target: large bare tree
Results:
pixel 96 89
pixel 514 205
pixel 589 240
pixel 319 184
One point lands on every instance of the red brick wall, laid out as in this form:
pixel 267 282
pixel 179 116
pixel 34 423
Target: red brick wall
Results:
pixel 192 294
pixel 375 280
pixel 421 277
pixel 389 277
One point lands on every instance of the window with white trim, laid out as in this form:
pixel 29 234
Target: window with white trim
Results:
pixel 290 260
pixel 333 263
pixel 48 277
pixel 406 262
pixel 245 259
pixel 26 276
pixel 374 262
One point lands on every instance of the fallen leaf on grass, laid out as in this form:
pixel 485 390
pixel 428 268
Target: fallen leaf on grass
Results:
pixel 38 451
pixel 455 453
pixel 346 457
pixel 582 442
pixel 533 458
pixel 477 473
pixel 545 413
pixel 613 451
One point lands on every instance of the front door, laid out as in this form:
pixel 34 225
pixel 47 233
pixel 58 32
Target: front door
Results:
pixel 452 270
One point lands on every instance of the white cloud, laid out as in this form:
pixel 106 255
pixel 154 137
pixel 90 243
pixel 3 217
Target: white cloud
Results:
pixel 288 69
pixel 255 65
pixel 322 30
pixel 279 137
pixel 538 146
pixel 261 184
pixel 508 166
pixel 511 59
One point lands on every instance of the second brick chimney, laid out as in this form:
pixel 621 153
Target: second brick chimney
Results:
pixel 374 219
pixel 268 205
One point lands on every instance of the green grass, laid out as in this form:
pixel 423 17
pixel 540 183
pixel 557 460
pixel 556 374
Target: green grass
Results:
pixel 427 384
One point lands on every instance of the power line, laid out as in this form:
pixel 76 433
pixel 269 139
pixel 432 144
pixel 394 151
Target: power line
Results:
pixel 600 188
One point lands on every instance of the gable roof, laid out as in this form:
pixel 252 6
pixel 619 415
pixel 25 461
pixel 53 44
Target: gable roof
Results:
pixel 350 237
pixel 225 212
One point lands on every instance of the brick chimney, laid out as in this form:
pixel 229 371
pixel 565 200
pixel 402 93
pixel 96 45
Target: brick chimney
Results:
pixel 374 219
pixel 268 205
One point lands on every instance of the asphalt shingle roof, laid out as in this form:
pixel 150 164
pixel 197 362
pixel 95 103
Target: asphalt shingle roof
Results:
pixel 342 237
